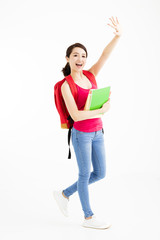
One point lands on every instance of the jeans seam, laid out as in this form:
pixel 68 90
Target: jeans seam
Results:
pixel 82 166
pixel 97 160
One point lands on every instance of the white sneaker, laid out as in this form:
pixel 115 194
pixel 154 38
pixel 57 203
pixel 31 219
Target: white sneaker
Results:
pixel 62 202
pixel 95 223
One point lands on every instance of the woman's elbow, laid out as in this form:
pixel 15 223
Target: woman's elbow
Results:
pixel 75 117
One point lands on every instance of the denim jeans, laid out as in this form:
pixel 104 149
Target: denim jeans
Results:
pixel 89 148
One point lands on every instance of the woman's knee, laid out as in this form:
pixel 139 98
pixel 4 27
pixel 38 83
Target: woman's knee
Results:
pixel 101 175
pixel 84 176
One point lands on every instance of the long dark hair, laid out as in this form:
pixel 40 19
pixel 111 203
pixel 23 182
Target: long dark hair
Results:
pixel 67 70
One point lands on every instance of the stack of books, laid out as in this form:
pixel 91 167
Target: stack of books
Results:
pixel 96 98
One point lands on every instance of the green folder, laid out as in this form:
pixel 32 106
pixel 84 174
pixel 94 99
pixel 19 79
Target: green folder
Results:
pixel 99 97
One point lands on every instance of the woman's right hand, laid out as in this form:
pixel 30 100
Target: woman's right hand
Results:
pixel 106 106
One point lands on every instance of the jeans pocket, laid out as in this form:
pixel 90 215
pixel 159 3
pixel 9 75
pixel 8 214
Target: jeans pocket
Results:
pixel 76 133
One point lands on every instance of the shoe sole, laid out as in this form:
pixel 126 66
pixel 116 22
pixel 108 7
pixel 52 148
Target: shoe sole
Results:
pixel 98 227
pixel 55 197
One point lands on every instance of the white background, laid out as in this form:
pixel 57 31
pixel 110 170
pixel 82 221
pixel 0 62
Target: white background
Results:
pixel 34 36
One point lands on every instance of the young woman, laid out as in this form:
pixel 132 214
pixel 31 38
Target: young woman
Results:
pixel 87 132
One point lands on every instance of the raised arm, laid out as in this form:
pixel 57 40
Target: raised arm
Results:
pixel 78 115
pixel 108 49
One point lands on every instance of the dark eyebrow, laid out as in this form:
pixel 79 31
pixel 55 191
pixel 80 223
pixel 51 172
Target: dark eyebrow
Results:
pixel 78 53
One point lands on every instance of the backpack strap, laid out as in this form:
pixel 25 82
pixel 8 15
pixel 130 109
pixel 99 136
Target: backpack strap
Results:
pixel 72 85
pixel 69 138
pixel 90 76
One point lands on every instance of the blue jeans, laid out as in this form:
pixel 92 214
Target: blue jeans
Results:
pixel 89 147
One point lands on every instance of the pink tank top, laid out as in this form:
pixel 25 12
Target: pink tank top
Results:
pixel 87 125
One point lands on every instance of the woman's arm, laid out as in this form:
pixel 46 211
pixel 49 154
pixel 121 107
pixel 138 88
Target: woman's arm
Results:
pixel 108 49
pixel 78 115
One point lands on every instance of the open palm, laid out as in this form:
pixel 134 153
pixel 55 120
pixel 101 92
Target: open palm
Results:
pixel 116 25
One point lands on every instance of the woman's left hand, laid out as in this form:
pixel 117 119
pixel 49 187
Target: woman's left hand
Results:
pixel 116 25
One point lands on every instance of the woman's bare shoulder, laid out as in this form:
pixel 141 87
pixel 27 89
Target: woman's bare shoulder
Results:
pixel 65 85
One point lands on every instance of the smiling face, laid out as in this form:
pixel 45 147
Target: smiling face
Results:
pixel 77 59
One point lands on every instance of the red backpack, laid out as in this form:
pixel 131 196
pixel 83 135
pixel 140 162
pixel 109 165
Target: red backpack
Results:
pixel 65 118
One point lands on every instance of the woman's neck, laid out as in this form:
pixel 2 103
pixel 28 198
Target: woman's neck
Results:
pixel 77 75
